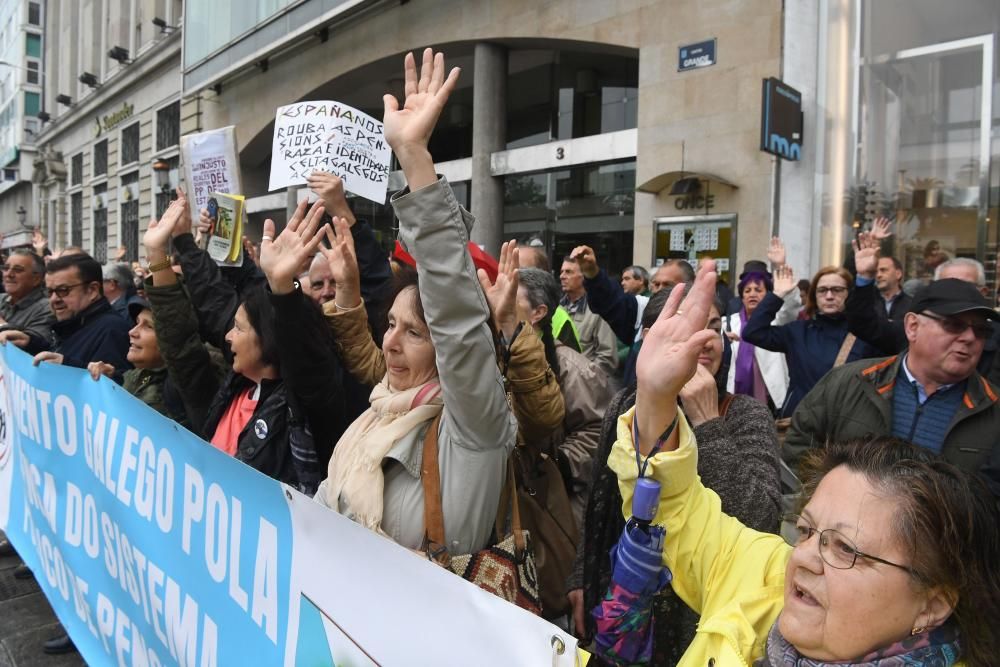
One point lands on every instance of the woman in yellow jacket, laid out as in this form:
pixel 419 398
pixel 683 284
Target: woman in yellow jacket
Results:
pixel 896 557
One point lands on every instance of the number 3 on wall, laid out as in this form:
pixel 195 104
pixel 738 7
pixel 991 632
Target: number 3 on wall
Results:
pixel 560 153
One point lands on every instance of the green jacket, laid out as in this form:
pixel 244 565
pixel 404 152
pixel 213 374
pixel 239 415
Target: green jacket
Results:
pixel 147 385
pixel 855 401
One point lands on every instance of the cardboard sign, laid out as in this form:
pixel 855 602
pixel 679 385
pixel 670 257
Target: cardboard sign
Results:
pixel 333 137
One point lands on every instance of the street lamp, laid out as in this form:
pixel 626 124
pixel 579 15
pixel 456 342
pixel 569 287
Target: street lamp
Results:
pixel 22 215
pixel 161 170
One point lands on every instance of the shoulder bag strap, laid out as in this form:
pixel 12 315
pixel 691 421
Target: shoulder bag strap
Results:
pixel 845 350
pixel 508 498
pixel 430 479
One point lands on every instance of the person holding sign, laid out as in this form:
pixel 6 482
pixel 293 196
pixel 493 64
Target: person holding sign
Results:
pixel 894 555
pixel 438 352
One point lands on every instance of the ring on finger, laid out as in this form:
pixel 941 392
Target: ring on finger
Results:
pixel 265 237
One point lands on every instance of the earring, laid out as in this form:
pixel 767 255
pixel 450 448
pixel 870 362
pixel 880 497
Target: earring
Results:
pixel 918 631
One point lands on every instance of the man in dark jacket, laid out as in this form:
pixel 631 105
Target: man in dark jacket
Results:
pixel 86 329
pixel 887 333
pixel 931 395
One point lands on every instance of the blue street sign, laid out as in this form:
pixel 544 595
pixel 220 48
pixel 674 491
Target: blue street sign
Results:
pixel 695 56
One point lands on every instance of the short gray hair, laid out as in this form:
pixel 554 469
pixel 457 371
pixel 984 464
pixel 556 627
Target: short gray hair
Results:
pixel 37 262
pixel 966 262
pixel 639 272
pixel 118 272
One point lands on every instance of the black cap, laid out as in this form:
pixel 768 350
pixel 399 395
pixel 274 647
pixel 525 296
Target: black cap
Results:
pixel 136 305
pixel 754 266
pixel 951 296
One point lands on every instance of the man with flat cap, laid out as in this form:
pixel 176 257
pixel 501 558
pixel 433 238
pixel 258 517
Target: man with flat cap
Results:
pixel 929 394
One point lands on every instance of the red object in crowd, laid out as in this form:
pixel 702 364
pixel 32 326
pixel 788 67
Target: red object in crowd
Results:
pixel 482 259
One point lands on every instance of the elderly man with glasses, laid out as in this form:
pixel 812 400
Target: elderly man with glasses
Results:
pixel 25 307
pixel 930 394
pixel 85 327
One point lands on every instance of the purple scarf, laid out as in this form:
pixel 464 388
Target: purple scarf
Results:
pixel 936 648
pixel 746 360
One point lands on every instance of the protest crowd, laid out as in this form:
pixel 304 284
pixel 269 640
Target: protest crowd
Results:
pixel 821 457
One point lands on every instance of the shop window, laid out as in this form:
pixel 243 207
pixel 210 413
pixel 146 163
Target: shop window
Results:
pixel 35 13
pixel 589 205
pixel 168 126
pixel 100 248
pixel 130 144
pixel 32 104
pixel 76 170
pixel 695 238
pixel 129 236
pixel 101 158
pixel 33 46
pixel 76 219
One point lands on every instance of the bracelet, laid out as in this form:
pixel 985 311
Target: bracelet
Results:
pixel 164 263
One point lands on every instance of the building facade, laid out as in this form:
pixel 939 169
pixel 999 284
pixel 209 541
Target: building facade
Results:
pixel 574 121
pixel 21 83
pixel 114 110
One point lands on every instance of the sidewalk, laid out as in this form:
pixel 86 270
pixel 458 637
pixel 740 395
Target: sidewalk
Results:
pixel 26 620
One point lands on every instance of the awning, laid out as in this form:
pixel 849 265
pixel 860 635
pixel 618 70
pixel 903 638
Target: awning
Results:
pixel 659 183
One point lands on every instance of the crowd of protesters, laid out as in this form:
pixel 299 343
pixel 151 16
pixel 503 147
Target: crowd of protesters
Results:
pixel 826 450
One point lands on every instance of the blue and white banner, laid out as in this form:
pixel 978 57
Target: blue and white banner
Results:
pixel 155 548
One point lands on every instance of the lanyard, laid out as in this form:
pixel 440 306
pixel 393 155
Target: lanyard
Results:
pixel 641 464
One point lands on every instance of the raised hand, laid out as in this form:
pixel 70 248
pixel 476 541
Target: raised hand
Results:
pixel 502 294
pixel 866 249
pixel 38 241
pixel 282 258
pixel 330 189
pixel 784 281
pixel 343 263
pixel 882 228
pixel 157 236
pixel 408 129
pixel 776 252
pixel 669 357
pixel 586 259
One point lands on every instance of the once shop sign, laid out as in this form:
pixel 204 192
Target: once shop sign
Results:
pixel 696 56
pixel 695 202
pixel 110 121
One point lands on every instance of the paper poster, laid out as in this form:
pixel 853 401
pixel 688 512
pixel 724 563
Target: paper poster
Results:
pixel 211 165
pixel 706 238
pixel 155 548
pixel 333 137
pixel 677 243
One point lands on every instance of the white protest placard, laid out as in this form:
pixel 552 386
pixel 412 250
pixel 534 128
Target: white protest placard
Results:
pixel 210 165
pixel 333 137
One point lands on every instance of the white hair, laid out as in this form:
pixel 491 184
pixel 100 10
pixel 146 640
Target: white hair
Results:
pixel 965 262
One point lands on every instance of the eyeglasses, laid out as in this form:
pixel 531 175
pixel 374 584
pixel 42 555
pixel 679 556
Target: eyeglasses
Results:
pixel 820 291
pixel 62 291
pixel 13 268
pixel 956 327
pixel 835 548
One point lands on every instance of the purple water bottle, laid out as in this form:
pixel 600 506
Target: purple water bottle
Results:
pixel 645 502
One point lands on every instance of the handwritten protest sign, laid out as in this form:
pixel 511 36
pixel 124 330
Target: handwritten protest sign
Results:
pixel 155 548
pixel 210 165
pixel 333 137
